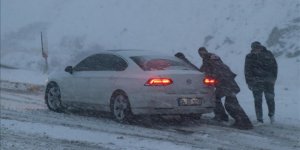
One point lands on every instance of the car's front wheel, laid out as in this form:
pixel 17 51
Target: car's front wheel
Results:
pixel 52 98
pixel 120 107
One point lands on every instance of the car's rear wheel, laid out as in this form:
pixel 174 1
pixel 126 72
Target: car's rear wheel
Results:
pixel 53 96
pixel 120 107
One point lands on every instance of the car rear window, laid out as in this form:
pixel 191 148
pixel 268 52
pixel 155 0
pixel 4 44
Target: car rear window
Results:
pixel 152 63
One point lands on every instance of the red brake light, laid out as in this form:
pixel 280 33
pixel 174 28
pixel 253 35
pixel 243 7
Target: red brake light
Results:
pixel 209 81
pixel 159 82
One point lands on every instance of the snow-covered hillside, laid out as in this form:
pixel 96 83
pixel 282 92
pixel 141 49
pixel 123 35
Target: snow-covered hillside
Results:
pixel 225 27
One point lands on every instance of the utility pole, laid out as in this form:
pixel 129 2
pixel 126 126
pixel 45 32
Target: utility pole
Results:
pixel 44 54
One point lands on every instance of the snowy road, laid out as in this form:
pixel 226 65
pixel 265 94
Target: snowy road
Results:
pixel 26 123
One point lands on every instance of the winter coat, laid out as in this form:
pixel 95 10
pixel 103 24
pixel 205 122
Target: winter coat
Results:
pixel 214 66
pixel 260 67
pixel 183 58
pixel 208 61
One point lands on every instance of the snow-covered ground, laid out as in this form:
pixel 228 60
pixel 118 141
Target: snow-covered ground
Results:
pixel 25 120
pixel 23 76
pixel 26 123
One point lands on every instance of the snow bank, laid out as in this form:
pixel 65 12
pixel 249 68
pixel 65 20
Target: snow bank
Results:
pixel 23 76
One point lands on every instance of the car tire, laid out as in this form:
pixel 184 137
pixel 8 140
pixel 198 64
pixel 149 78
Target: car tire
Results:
pixel 120 108
pixel 53 98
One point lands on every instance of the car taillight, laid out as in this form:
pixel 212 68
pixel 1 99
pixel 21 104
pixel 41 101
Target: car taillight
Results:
pixel 159 82
pixel 210 81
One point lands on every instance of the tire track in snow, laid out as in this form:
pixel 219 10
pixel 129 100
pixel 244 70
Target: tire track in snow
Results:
pixel 197 135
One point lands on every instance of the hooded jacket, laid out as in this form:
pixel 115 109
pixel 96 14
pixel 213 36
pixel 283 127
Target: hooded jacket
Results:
pixel 260 67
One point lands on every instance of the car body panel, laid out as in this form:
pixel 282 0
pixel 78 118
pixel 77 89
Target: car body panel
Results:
pixel 93 89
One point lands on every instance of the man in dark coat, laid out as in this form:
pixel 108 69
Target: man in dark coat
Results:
pixel 226 87
pixel 182 57
pixel 261 74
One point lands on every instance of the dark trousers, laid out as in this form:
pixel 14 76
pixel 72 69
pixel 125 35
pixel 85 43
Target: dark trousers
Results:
pixel 233 108
pixel 220 110
pixel 268 89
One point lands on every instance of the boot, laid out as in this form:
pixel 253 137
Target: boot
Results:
pixel 223 118
pixel 242 126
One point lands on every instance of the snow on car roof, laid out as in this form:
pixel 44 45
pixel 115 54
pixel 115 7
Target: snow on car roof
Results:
pixel 136 52
pixel 77 57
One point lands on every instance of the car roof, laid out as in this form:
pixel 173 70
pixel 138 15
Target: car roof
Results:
pixel 135 52
pixel 122 52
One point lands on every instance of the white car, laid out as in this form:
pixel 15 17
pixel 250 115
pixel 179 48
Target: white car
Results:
pixel 131 82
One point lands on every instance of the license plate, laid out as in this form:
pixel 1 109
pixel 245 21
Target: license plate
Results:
pixel 189 101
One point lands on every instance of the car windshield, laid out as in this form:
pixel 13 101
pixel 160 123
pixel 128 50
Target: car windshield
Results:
pixel 155 63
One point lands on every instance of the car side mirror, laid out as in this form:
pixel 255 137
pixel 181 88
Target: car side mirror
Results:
pixel 69 69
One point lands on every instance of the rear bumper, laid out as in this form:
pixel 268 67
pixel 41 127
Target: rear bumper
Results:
pixel 173 111
pixel 168 104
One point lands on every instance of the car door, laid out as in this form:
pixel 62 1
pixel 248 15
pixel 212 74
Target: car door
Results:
pixel 94 79
pixel 66 87
pixel 102 81
pixel 79 80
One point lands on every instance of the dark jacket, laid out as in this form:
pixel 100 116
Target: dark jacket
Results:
pixel 182 57
pixel 208 61
pixel 260 67
pixel 214 66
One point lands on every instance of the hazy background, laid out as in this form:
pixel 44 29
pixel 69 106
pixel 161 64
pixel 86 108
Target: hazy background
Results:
pixel 224 27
